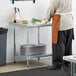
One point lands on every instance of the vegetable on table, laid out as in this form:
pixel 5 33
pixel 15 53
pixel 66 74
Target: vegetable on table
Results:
pixel 24 21
pixel 36 20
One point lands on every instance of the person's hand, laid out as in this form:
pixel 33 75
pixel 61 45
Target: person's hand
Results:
pixel 45 21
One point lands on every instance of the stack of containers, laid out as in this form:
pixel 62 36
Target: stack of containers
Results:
pixel 34 49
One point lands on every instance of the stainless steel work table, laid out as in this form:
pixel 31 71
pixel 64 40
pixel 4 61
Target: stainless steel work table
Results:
pixel 72 59
pixel 28 26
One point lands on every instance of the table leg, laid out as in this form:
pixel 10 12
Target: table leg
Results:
pixel 38 58
pixel 72 69
pixel 27 47
pixel 38 39
pixel 38 35
pixel 27 62
pixel 14 47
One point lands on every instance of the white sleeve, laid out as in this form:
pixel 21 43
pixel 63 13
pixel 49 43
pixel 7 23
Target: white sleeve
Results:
pixel 51 9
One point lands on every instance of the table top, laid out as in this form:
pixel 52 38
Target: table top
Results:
pixel 70 58
pixel 31 25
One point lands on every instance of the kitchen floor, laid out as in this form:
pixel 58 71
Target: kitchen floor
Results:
pixel 21 65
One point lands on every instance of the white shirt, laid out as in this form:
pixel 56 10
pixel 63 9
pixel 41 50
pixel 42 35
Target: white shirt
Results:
pixel 64 8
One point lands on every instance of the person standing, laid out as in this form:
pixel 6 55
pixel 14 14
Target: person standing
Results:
pixel 65 31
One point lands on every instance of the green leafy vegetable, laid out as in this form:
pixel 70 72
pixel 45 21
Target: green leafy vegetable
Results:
pixel 36 20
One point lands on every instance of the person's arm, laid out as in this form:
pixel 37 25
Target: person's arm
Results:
pixel 51 10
